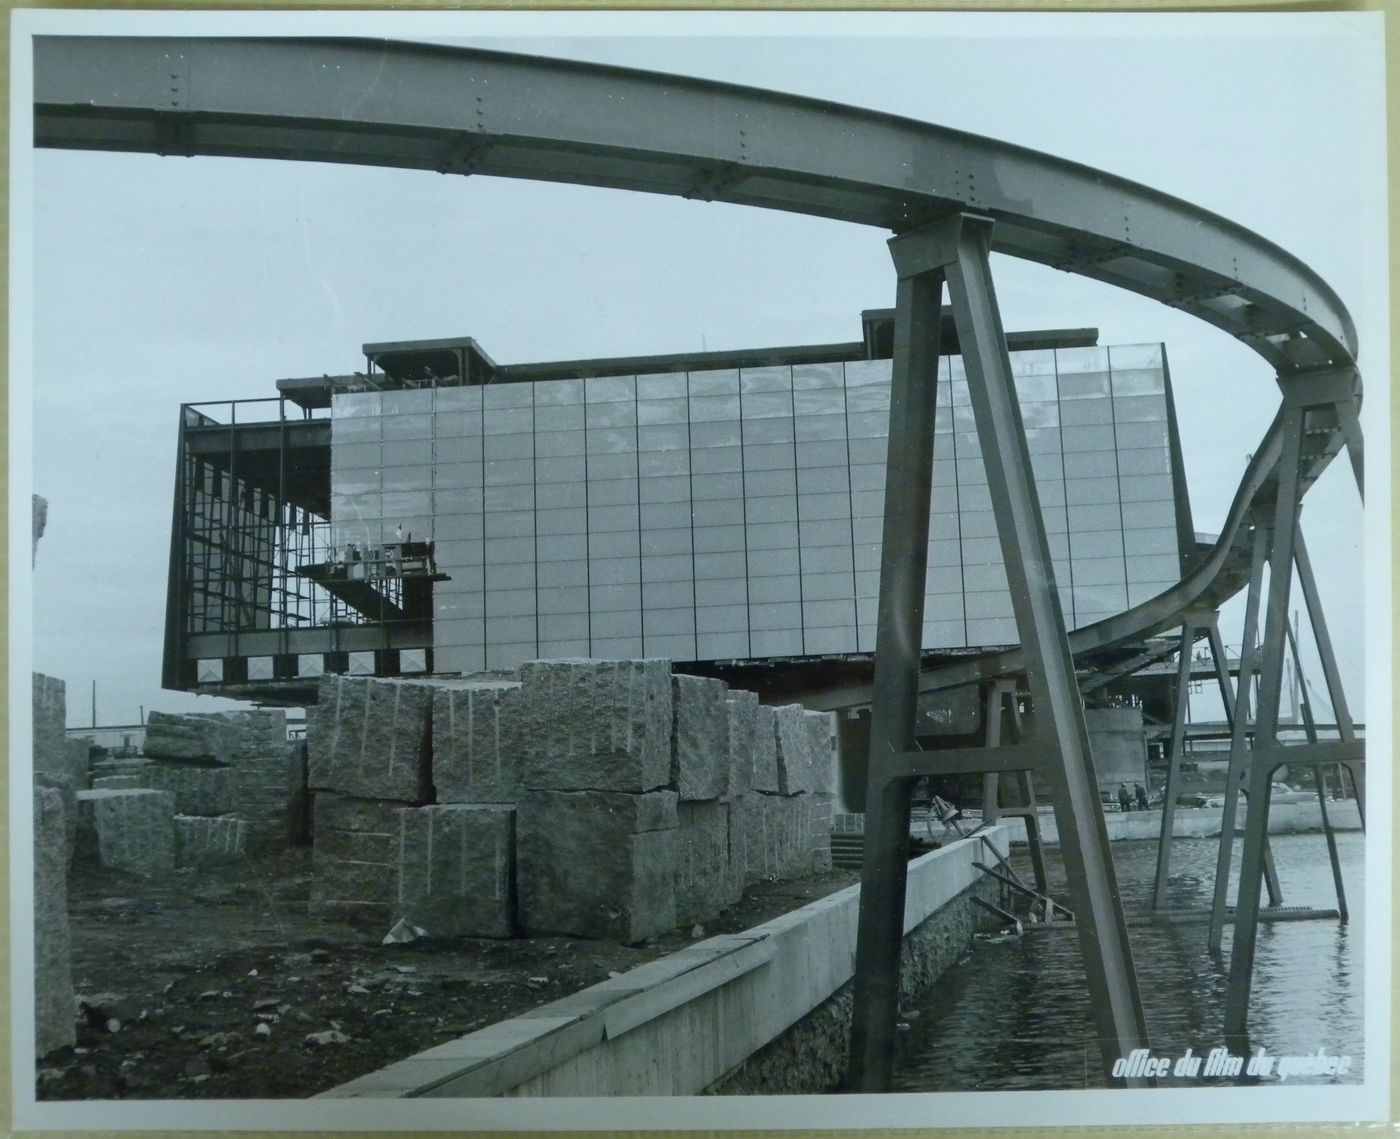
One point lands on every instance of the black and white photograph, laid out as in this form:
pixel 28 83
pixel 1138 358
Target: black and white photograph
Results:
pixel 710 570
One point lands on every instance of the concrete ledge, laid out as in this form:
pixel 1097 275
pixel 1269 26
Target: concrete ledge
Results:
pixel 674 1026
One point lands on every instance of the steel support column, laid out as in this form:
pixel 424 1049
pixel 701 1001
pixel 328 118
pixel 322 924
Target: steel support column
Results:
pixel 1239 739
pixel 898 645
pixel 1001 704
pixel 1310 727
pixel 1256 831
pixel 991 781
pixel 1059 710
pixel 1189 629
pixel 1222 675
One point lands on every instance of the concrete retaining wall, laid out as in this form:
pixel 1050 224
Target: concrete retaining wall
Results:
pixel 678 1025
pixel 812 1056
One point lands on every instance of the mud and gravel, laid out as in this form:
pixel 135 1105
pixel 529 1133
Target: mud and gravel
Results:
pixel 214 983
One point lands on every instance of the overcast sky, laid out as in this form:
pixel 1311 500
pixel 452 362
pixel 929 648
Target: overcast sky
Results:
pixel 164 280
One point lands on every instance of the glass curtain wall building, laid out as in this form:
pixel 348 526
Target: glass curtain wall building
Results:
pixel 442 513
pixel 733 514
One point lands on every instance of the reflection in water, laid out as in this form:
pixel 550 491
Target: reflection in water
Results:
pixel 1014 1014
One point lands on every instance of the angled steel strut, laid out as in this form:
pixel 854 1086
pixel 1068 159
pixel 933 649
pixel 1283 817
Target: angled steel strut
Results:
pixel 958 248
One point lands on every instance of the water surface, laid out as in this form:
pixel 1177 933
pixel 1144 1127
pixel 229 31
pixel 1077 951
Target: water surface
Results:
pixel 1014 1014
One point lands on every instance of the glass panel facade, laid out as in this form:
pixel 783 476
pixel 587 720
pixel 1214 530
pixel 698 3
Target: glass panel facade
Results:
pixel 736 513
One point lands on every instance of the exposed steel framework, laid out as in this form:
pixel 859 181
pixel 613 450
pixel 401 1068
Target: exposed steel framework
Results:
pixel 951 199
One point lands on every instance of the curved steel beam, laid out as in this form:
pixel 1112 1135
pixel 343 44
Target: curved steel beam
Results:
pixel 459 110
pixel 466 111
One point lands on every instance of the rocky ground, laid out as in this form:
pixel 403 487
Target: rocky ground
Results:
pixel 214 983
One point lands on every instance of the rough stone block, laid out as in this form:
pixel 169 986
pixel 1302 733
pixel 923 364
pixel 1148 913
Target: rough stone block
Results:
pixel 797 833
pixel 50 723
pixel 765 750
pixel 106 768
pixel 298 795
pixel 794 750
pixel 821 742
pixel 457 869
pixel 259 759
pixel 704 883
pixel 597 864
pixel 478 741
pixel 741 709
pixel 200 838
pixel 783 831
pixel 700 738
pixel 68 795
pixel 750 856
pixel 55 1025
pixel 134 829
pixel 598 724
pixel 779 836
pixel 180 735
pixel 809 828
pixel 199 789
pixel 118 782
pixel 370 738
pixel 80 762
pixel 354 858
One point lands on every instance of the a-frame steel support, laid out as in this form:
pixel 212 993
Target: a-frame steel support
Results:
pixel 956 248
pixel 1301 396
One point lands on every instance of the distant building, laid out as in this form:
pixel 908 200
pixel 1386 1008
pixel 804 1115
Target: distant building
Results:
pixel 441 513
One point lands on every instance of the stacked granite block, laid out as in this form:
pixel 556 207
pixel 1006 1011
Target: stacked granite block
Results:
pixel 62 785
pixel 261 760
pixel 207 761
pixel 355 859
pixel 741 720
pixel 596 830
pixel 298 795
pixel 131 830
pixel 51 751
pixel 782 829
pixel 765 776
pixel 598 864
pixel 80 762
pixel 370 738
pixel 55 1026
pixel 202 737
pixel 201 838
pixel 116 768
pixel 702 771
pixel 478 738
pixel 597 724
pixel 593 798
pixel 199 789
pixel 369 757
pixel 700 760
pixel 456 869
pixel 704 883
pixel 119 782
